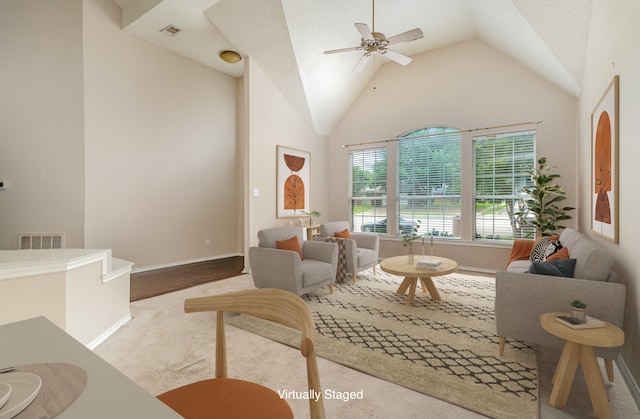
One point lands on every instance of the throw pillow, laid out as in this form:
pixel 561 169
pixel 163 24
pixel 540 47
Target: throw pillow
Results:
pixel 563 267
pixel 344 234
pixel 290 244
pixel 560 254
pixel 544 247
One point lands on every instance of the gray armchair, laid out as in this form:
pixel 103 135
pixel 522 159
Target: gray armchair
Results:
pixel 284 269
pixel 361 250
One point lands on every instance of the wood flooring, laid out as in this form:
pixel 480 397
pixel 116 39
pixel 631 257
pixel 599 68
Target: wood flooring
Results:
pixel 161 281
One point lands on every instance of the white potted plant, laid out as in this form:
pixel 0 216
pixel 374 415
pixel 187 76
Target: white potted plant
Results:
pixel 578 311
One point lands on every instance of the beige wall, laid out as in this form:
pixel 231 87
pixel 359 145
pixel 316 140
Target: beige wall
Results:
pixel 273 120
pixel 160 144
pixel 613 49
pixel 466 86
pixel 41 121
pixel 113 141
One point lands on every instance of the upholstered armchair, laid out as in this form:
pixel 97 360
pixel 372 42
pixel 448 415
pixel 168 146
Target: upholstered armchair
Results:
pixel 314 266
pixel 361 248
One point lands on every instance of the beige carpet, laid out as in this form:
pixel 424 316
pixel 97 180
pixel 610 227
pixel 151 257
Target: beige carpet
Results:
pixel 446 349
pixel 162 348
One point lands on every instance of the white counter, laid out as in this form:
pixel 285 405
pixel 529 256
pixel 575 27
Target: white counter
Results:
pixel 109 393
pixel 83 291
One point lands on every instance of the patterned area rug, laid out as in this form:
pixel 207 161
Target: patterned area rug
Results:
pixel 446 349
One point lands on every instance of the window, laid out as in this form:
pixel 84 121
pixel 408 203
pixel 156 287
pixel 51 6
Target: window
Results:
pixel 368 193
pixel 429 181
pixel 501 162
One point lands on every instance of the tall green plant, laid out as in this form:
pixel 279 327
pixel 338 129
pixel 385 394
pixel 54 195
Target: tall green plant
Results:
pixel 544 196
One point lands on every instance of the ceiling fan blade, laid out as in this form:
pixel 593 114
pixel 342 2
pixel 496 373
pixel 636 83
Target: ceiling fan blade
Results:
pixel 364 30
pixel 335 51
pixel 407 36
pixel 395 56
pixel 362 62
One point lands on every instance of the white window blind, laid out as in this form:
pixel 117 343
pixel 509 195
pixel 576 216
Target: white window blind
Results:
pixel 368 193
pixel 429 180
pixel 501 162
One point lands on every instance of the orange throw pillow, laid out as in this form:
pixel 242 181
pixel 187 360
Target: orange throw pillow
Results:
pixel 344 234
pixel 560 254
pixel 290 244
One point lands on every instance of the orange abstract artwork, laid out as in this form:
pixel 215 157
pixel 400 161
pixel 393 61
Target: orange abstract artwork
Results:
pixel 294 185
pixel 602 169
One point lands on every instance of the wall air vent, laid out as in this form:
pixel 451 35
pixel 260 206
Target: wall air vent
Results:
pixel 170 30
pixel 41 241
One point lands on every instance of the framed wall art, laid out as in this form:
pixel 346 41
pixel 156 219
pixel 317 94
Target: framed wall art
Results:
pixel 292 174
pixel 604 164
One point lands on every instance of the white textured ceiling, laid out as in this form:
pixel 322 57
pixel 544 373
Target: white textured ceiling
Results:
pixel 286 38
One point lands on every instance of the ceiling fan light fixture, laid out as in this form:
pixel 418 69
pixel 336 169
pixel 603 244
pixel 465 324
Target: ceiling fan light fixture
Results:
pixel 229 56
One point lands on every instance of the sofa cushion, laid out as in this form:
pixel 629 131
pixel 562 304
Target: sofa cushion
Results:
pixel 344 234
pixel 592 261
pixel 544 247
pixel 560 254
pixel 563 267
pixel 290 244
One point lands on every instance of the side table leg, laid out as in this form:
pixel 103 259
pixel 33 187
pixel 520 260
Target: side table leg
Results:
pixel 412 291
pixel 433 291
pixel 565 372
pixel 404 286
pixel 595 382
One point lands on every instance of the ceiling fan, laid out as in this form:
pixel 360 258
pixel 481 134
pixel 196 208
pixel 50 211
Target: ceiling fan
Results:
pixel 373 42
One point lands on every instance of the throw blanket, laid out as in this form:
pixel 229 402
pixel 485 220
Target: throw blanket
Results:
pixel 521 250
pixel 341 273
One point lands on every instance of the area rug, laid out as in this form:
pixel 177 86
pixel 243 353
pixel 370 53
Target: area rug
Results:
pixel 446 349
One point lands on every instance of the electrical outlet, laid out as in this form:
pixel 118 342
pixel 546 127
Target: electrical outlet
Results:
pixel 207 242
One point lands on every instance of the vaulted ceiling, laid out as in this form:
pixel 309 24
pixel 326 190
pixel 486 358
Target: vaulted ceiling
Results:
pixel 286 38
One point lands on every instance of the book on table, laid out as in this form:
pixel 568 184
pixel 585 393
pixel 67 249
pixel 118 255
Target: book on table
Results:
pixel 427 263
pixel 589 323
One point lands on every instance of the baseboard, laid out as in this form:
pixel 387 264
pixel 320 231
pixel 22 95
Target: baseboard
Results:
pixel 183 262
pixel 107 333
pixel 629 381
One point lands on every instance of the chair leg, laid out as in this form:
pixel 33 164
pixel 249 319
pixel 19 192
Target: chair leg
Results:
pixel 331 288
pixel 608 366
pixel 353 278
pixel 503 340
pixel 374 269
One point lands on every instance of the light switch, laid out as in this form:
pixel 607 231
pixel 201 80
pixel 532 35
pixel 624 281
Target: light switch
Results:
pixel 256 191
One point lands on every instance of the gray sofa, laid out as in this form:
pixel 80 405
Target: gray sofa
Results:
pixel 284 269
pixel 361 251
pixel 521 298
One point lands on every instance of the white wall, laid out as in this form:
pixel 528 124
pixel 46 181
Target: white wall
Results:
pixel 468 85
pixel 160 143
pixel 273 120
pixel 41 121
pixel 613 49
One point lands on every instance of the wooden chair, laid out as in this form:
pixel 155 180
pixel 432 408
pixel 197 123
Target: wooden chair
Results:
pixel 224 397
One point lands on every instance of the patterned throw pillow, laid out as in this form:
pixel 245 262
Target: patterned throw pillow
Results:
pixel 544 248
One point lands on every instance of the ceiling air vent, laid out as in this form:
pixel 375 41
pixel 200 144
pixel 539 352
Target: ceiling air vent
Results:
pixel 170 30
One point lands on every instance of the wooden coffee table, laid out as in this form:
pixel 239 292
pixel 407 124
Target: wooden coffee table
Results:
pixel 579 349
pixel 400 265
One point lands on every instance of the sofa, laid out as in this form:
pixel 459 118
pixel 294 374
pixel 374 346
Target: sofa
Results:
pixel 522 297
pixel 273 267
pixel 361 249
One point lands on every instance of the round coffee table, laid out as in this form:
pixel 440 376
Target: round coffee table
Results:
pixel 400 265
pixel 579 349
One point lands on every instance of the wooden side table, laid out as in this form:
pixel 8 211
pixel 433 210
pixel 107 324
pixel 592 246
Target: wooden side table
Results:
pixel 312 231
pixel 579 349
